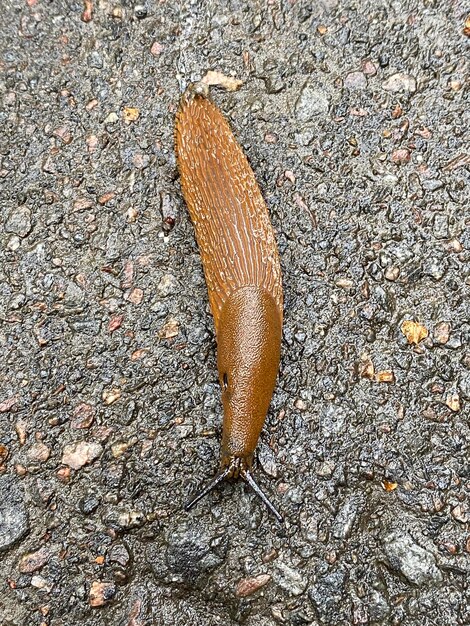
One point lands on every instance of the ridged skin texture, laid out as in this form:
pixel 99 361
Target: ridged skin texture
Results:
pixel 241 267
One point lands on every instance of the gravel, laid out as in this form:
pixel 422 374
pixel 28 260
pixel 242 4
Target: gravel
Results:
pixel 354 118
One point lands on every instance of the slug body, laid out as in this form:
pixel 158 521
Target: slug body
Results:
pixel 242 271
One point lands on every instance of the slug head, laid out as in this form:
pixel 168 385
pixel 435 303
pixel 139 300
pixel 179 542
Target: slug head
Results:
pixel 248 353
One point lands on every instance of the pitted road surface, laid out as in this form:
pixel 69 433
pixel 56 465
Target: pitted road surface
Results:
pixel 354 117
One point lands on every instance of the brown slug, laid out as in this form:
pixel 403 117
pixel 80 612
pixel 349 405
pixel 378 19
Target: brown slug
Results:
pixel 243 276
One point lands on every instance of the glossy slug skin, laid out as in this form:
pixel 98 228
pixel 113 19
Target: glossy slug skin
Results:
pixel 248 351
pixel 241 267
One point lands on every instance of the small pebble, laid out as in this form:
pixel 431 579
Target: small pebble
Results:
pixel 327 592
pixel 300 404
pixel 110 396
pixel 115 322
pixel 414 331
pixel 63 474
pixel 132 214
pixel 82 204
pixel 454 245
pixel 101 593
pixel 4 453
pixel 466 28
pixel 392 273
pixel 14 243
pixel 441 226
pixel 267 460
pixel 111 118
pixel 156 49
pixel 88 504
pixel 135 296
pixel 368 67
pixel 400 156
pixel 385 376
pixel 406 557
pixel 39 452
pixel 441 333
pixel 366 367
pixel 91 104
pixel 432 184
pixel 325 469
pixel 460 513
pixel 130 114
pixel 331 557
pixel 248 586
pixel 346 517
pixel 18 222
pixel 270 138
pixel 41 583
pixel 14 520
pixel 8 404
pixel 106 197
pixel 140 11
pixel 82 453
pixel 355 80
pixel 288 578
pixel 449 547
pixel 400 82
pixel 344 283
pixel 167 286
pixel 311 103
pixel 82 416
pixel 34 561
pixel 64 134
pixel 453 402
pixel 121 447
pixel 169 330
pixel 119 554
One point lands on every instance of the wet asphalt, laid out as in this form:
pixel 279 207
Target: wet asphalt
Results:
pixel 354 116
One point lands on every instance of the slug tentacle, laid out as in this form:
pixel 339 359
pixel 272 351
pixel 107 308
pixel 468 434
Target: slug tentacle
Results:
pixel 236 469
pixel 218 478
pixel 248 478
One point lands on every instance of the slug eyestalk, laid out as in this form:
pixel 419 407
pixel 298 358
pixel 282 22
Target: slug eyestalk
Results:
pixel 235 470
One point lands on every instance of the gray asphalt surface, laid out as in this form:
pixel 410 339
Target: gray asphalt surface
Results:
pixel 355 120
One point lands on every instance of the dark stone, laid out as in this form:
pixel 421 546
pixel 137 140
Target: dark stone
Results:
pixel 190 556
pixel 327 596
pixel 346 517
pixel 119 554
pixel 14 522
pixel 88 504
